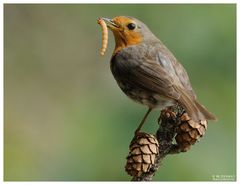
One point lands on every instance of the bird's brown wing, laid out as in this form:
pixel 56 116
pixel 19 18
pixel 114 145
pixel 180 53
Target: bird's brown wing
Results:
pixel 152 71
pixel 170 64
pixel 154 78
pixel 155 74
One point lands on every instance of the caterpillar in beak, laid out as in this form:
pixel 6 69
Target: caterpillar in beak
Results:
pixel 104 35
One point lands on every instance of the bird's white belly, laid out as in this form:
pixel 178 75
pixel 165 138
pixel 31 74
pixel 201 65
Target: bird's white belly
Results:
pixel 157 101
pixel 150 100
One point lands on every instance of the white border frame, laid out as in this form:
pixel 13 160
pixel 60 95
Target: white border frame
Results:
pixel 115 2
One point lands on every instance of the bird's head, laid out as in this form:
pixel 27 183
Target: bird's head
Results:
pixel 128 31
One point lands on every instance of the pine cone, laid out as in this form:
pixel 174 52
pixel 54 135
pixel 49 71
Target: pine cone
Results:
pixel 189 132
pixel 144 150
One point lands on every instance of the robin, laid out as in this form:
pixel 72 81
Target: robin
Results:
pixel 148 73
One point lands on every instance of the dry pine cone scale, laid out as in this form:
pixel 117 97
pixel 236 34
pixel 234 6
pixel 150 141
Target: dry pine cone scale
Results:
pixel 189 132
pixel 143 152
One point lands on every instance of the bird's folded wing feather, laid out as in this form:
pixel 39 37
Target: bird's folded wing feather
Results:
pixel 159 72
pixel 154 78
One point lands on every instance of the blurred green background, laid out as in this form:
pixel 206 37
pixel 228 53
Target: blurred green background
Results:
pixel 65 117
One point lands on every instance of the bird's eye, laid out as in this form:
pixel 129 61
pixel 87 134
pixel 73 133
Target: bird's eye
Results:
pixel 131 26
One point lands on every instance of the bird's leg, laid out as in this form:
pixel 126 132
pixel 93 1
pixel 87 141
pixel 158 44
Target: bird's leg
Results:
pixel 143 120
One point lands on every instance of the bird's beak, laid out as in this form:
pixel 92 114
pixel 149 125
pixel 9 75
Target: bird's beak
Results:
pixel 110 23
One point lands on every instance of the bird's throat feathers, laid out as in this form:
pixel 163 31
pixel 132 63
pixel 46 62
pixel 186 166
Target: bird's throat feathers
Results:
pixel 125 38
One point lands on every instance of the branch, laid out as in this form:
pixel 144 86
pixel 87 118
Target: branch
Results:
pixel 174 123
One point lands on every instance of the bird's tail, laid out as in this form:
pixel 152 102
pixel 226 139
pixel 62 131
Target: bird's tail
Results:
pixel 194 109
pixel 208 115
